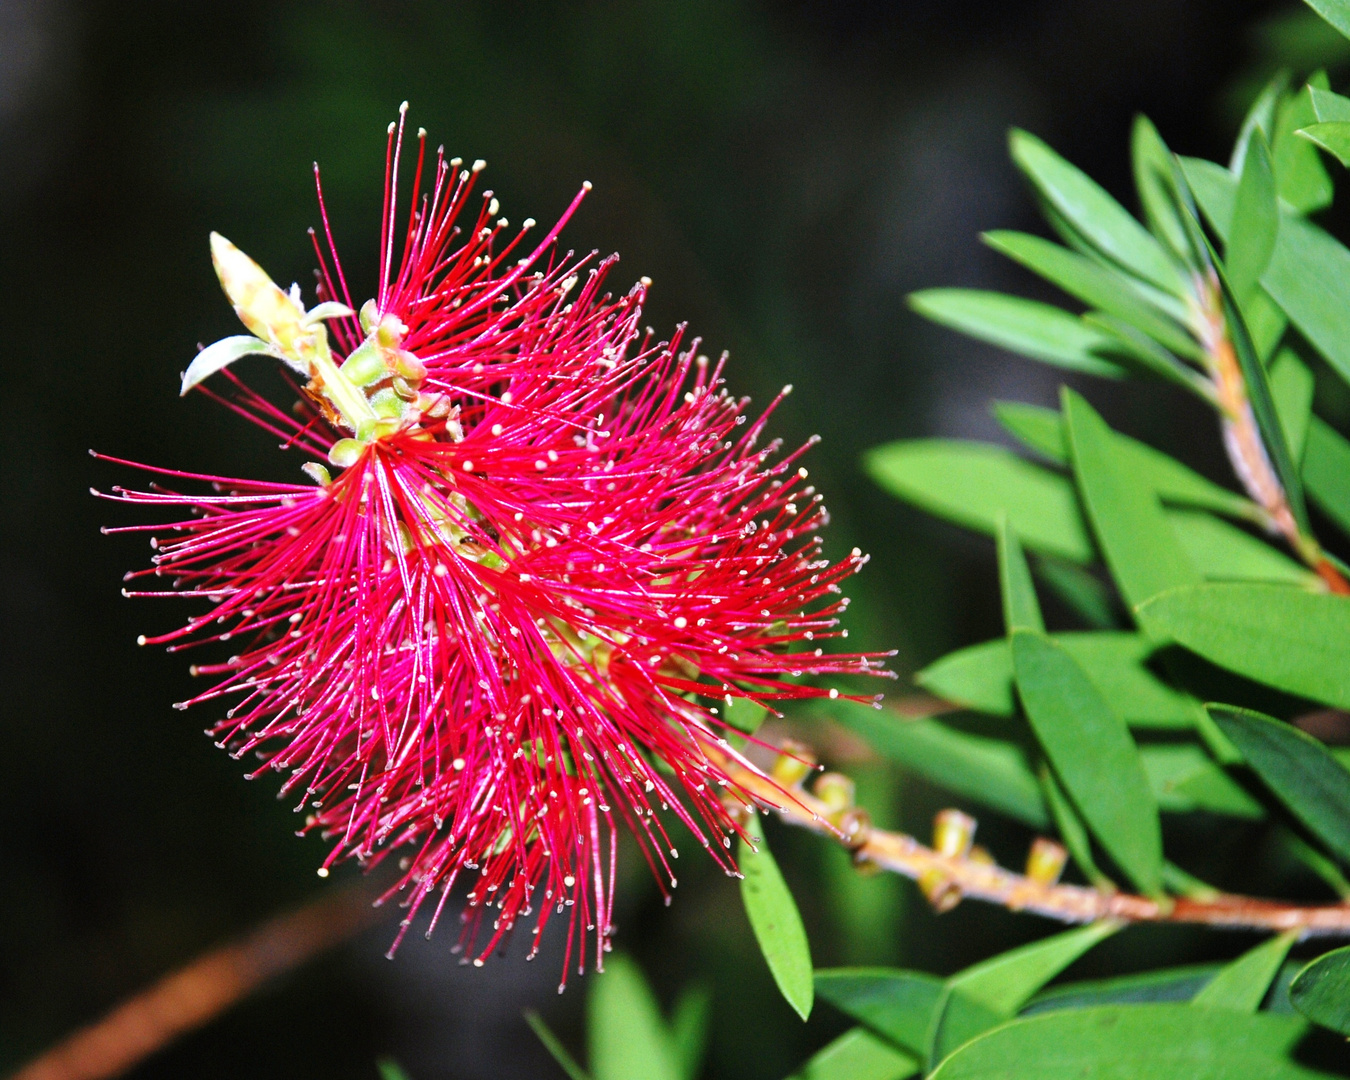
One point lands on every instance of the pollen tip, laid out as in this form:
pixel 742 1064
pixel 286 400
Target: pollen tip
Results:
pixel 140 638
pixel 479 165
pixel 392 126
pixel 787 389
pixel 403 108
pixel 586 185
pixel 322 871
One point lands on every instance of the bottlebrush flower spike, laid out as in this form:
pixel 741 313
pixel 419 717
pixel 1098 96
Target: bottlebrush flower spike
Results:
pixel 551 551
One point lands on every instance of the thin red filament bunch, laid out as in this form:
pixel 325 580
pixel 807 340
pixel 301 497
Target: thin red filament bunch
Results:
pixel 519 615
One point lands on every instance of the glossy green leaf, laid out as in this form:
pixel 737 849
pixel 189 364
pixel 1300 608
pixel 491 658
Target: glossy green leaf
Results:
pixel 991 772
pixel 1021 609
pixel 1290 639
pixel 978 677
pixel 1167 984
pixel 1223 552
pixel 1092 754
pixel 1040 331
pixel 1043 431
pixel 1102 221
pixel 1151 161
pixel 858 1055
pixel 897 1004
pixel 1135 1042
pixel 1321 991
pixel 1242 985
pixel 1072 830
pixel 1309 272
pixel 689 1029
pixel 1256 219
pixel 1184 778
pixel 1328 106
pixel 1135 537
pixel 1336 12
pixel 1326 471
pixel 1301 180
pixel 1300 770
pixel 554 1046
pixel 627 1038
pixel 1291 386
pixel 1098 287
pixel 1333 136
pixel 971 483
pixel 777 924
pixel 993 991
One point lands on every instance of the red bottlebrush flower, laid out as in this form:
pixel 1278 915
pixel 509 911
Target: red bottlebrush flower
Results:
pixel 552 550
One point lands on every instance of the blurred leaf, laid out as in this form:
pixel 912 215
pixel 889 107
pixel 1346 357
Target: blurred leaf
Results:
pixel 1242 985
pixel 1260 117
pixel 1333 136
pixel 1184 778
pixel 1300 177
pixel 1309 272
pixel 626 1037
pixel 689 1029
pixel 1043 431
pixel 554 1046
pixel 1028 327
pixel 1224 552
pixel 897 1004
pixel 1300 771
pixel 1290 639
pixel 1265 321
pixel 988 771
pixel 1101 220
pixel 971 483
pixel 1093 755
pixel 1328 106
pixel 1291 387
pixel 1321 991
pixel 743 714
pixel 777 924
pixel 858 1055
pixel 1256 219
pixel 980 677
pixel 1089 598
pixel 1168 984
pixel 1336 12
pixel 1133 1042
pixel 1072 830
pixel 391 1069
pixel 990 992
pixel 1326 471
pixel 1136 539
pixel 1151 161
pixel 1021 610
pixel 1098 287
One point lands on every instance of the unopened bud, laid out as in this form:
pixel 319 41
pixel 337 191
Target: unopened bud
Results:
pixel 953 833
pixel 345 452
pixel 1046 860
pixel 409 366
pixel 794 764
pixel 940 890
pixel 261 304
pixel 365 365
pixel 317 473
pixel 836 791
pixel 370 315
pixel 390 332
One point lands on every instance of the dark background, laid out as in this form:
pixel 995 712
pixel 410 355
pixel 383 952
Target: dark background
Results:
pixel 785 172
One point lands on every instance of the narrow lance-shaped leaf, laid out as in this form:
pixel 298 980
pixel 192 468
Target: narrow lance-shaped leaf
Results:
pixel 1092 754
pixel 1152 165
pixel 897 1004
pixel 1256 219
pixel 1301 179
pixel 1072 830
pixel 1333 136
pixel 222 354
pixel 858 1055
pixel 1166 984
pixel 777 925
pixel 1326 471
pixel 1321 991
pixel 1291 387
pixel 554 1046
pixel 689 1029
pixel 627 1038
pixel 1242 985
pixel 1301 772
pixel 1021 610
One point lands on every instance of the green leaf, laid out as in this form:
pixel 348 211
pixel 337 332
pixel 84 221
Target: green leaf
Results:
pixel 894 1003
pixel 1152 163
pixel 1256 219
pixel 221 354
pixel 1184 778
pixel 1072 830
pixel 971 483
pixel 1224 552
pixel 988 771
pixel 1132 1042
pixel 1321 991
pixel 1300 771
pixel 1136 539
pixel 1336 12
pixel 1043 431
pixel 1291 387
pixel 554 1046
pixel 689 1029
pixel 1040 331
pixel 1000 986
pixel 1333 136
pixel 1098 287
pixel 626 1037
pixel 1168 984
pixel 1092 754
pixel 1301 178
pixel 1328 106
pixel 1088 597
pixel 1260 117
pixel 1102 221
pixel 1021 610
pixel 390 1069
pixel 777 924
pixel 1309 272
pixel 1326 471
pixel 743 714
pixel 1242 985
pixel 978 677
pixel 858 1055
pixel 1290 639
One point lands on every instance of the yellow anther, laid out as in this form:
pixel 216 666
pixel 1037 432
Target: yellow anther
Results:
pixel 1046 860
pixel 953 833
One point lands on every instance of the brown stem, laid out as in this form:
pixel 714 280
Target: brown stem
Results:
pixel 205 988
pixel 954 876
